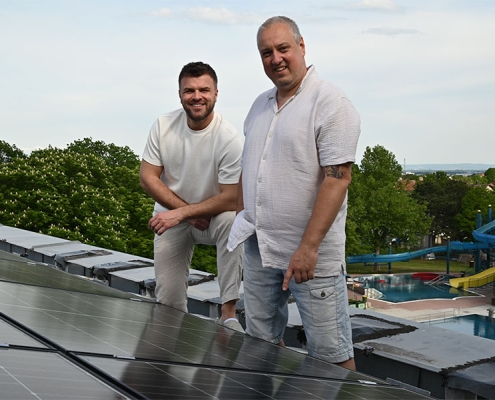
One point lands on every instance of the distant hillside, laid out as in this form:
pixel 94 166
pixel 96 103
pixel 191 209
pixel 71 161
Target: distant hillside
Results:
pixel 466 167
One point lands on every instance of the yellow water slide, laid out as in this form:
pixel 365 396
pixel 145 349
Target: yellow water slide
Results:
pixel 481 279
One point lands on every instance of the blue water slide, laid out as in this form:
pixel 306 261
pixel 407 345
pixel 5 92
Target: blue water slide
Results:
pixel 485 241
pixel 481 234
pixel 376 258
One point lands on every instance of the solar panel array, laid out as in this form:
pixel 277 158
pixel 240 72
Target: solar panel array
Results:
pixel 63 337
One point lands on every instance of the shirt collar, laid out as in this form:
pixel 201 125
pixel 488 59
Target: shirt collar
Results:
pixel 309 76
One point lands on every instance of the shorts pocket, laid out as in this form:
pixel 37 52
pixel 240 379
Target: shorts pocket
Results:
pixel 323 305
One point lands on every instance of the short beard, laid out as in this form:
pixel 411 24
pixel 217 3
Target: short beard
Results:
pixel 198 118
pixel 195 117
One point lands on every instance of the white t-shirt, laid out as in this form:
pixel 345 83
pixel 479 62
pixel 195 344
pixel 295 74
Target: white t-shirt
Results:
pixel 194 162
pixel 284 152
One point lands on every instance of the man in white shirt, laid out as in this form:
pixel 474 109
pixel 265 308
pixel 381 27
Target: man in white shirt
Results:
pixel 300 144
pixel 191 167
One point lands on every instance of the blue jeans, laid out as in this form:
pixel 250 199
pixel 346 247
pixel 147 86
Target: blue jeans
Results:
pixel 322 303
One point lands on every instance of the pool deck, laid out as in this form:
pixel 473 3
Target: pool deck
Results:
pixel 421 310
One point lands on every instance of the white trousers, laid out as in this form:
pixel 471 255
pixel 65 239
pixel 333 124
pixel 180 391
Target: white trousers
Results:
pixel 173 251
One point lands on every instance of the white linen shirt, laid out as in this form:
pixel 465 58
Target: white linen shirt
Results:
pixel 284 152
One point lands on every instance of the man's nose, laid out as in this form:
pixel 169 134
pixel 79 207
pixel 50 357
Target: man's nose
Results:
pixel 276 58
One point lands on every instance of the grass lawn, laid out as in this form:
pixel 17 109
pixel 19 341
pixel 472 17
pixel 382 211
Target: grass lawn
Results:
pixel 416 265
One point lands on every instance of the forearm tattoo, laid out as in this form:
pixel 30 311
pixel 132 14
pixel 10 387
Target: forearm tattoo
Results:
pixel 335 171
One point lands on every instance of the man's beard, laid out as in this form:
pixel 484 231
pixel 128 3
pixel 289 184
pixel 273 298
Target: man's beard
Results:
pixel 199 117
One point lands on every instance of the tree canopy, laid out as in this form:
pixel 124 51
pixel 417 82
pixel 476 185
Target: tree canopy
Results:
pixel 490 175
pixel 78 193
pixel 476 199
pixel 9 152
pixel 380 210
pixel 442 197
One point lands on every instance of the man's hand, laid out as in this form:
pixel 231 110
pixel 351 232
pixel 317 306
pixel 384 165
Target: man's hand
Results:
pixel 200 223
pixel 301 266
pixel 165 220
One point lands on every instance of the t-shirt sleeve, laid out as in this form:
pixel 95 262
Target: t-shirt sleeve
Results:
pixel 338 129
pixel 151 153
pixel 230 162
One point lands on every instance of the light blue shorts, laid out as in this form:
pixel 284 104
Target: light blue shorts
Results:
pixel 322 303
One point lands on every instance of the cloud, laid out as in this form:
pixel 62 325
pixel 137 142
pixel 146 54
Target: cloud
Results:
pixel 377 5
pixel 162 12
pixel 390 31
pixel 216 15
pixel 221 16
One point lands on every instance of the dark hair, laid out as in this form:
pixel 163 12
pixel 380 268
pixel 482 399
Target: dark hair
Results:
pixel 281 19
pixel 197 69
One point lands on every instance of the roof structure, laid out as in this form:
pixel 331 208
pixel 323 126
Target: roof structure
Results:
pixel 86 316
pixel 64 336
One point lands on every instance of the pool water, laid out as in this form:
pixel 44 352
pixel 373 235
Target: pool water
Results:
pixel 398 288
pixel 477 325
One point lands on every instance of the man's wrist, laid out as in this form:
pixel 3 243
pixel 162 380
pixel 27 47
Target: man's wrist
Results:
pixel 182 213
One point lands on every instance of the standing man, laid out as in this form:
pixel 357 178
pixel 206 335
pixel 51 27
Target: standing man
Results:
pixel 191 167
pixel 300 144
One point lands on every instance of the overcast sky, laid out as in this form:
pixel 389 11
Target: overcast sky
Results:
pixel 420 72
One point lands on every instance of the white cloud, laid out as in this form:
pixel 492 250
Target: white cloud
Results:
pixel 162 12
pixel 377 5
pixel 390 31
pixel 221 15
pixel 217 15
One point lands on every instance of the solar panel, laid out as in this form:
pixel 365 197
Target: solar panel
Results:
pixel 26 374
pixel 154 379
pixel 81 322
pixel 18 269
pixel 12 336
pixel 145 350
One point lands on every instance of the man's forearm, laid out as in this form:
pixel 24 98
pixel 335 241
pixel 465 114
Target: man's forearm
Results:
pixel 162 194
pixel 210 207
pixel 330 197
pixel 196 213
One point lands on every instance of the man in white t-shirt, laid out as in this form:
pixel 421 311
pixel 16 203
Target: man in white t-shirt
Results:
pixel 191 168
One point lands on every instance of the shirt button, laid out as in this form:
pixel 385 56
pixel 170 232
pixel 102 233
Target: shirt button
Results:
pixel 322 294
pixel 257 227
pixel 259 180
pixel 264 156
pixel 258 203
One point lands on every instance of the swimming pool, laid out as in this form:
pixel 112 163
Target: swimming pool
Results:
pixel 477 325
pixel 397 288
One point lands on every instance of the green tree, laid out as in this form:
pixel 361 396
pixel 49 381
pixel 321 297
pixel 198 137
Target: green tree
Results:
pixel 490 175
pixel 111 154
pixel 476 198
pixel 9 152
pixel 76 195
pixel 380 210
pixel 442 197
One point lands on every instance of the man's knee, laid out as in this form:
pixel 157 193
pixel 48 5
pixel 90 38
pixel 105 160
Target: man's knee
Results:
pixel 223 221
pixel 164 296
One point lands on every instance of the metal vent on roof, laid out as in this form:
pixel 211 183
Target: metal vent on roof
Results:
pixel 102 270
pixel 62 258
